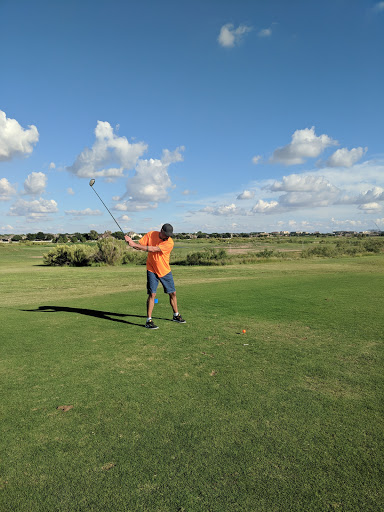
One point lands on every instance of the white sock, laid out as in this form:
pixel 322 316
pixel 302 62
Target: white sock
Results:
pixel 149 318
pixel 175 314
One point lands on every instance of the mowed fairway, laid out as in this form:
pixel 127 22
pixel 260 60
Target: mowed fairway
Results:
pixel 194 417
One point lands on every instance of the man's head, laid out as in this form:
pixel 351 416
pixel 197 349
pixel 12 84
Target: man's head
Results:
pixel 166 231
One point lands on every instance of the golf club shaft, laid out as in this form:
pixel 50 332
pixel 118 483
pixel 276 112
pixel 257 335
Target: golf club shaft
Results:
pixel 107 209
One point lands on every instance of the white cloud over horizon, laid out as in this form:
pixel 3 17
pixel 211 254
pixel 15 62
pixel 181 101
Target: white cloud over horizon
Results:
pixel 309 196
pixel 38 208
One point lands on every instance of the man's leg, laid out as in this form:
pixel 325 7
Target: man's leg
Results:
pixel 150 304
pixel 176 315
pixel 152 282
pixel 173 301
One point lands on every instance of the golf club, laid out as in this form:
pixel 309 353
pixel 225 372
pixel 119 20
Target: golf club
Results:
pixel 91 183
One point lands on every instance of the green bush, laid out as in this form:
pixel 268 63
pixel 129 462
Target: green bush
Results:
pixel 82 255
pixel 322 251
pixel 60 255
pixel 345 248
pixel 266 253
pixel 110 251
pixel 374 245
pixel 134 257
pixel 207 257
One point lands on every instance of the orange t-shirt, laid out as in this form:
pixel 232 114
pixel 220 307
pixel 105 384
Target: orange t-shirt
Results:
pixel 158 262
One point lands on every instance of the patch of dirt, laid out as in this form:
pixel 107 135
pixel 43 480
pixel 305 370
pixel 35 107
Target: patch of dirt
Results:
pixel 65 408
pixel 108 466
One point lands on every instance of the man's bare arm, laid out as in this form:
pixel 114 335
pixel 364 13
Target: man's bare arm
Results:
pixel 139 247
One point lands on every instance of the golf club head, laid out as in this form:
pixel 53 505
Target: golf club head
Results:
pixel 91 183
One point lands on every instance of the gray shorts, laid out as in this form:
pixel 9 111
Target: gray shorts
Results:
pixel 153 281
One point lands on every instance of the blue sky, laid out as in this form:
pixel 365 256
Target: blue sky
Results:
pixel 212 115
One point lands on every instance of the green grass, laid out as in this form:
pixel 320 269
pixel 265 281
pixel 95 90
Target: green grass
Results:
pixel 194 417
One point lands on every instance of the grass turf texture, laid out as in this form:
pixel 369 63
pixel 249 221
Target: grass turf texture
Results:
pixel 194 417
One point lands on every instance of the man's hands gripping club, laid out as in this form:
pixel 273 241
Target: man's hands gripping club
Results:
pixel 138 247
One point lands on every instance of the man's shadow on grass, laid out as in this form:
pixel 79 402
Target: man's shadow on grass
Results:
pixel 104 315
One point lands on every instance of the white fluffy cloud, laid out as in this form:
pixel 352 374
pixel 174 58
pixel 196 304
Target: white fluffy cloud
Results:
pixel 256 159
pixel 370 207
pixel 82 213
pixel 35 183
pixel 304 144
pixel 225 210
pixel 246 194
pixel 370 196
pixel 151 181
pixel 134 206
pixel 346 158
pixel 14 139
pixel 264 206
pixel 302 183
pixel 6 190
pixel 307 191
pixel 110 155
pixel 230 36
pixel 33 209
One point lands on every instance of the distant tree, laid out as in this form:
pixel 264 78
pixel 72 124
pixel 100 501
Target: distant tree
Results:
pixel 40 236
pixel 80 237
pixel 31 236
pixel 16 238
pixel 93 235
pixel 118 235
pixel 62 239
pixel 74 239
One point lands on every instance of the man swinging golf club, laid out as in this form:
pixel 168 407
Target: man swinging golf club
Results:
pixel 158 245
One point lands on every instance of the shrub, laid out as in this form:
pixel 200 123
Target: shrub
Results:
pixel 323 251
pixel 266 253
pixel 60 255
pixel 207 257
pixel 373 245
pixel 134 257
pixel 82 255
pixel 110 251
